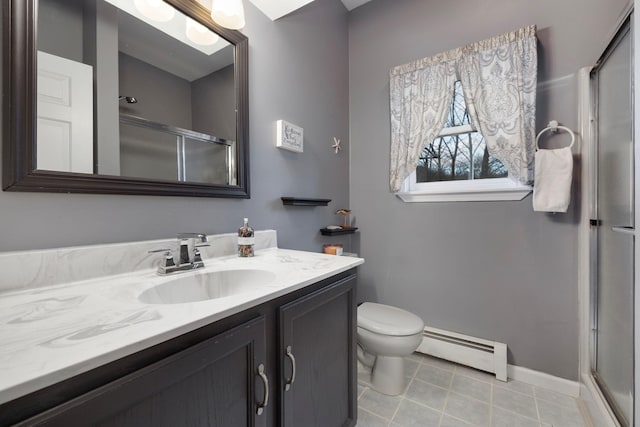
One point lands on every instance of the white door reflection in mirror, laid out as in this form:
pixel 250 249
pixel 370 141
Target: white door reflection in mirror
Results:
pixel 65 115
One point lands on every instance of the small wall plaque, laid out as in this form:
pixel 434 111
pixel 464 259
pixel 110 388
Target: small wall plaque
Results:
pixel 289 136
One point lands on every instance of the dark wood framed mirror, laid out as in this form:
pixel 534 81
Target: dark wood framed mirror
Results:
pixel 208 159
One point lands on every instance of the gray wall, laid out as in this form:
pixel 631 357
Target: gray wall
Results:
pixel 213 101
pixel 61 23
pixel 298 72
pixel 162 97
pixel 489 269
pixel 101 51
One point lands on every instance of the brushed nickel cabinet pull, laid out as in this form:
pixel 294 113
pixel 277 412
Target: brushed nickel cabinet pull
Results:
pixel 265 382
pixel 290 381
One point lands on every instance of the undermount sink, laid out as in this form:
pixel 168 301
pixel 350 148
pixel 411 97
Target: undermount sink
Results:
pixel 207 286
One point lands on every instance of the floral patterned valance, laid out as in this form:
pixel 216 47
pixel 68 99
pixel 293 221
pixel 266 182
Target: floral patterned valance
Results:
pixel 499 78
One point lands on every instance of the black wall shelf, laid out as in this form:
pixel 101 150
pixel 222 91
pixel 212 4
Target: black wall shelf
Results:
pixel 298 201
pixel 337 231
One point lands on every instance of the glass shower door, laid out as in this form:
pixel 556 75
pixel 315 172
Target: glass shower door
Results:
pixel 614 232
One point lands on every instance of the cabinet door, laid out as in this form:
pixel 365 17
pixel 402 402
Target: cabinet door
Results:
pixel 317 358
pixel 214 383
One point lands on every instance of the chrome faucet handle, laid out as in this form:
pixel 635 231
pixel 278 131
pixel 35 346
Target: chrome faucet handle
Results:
pixel 197 258
pixel 167 261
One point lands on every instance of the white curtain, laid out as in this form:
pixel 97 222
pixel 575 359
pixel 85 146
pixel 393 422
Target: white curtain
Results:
pixel 499 78
pixel 421 93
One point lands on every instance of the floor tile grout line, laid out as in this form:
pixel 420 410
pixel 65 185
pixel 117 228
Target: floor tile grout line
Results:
pixel 510 390
pixel 446 400
pixel 491 405
pixel 431 384
pixel 573 399
pixel 470 397
pixel 462 370
pixel 374 414
pixel 560 406
pixel 424 405
pixel 364 389
pixel 422 362
pixel 415 372
pixel 444 407
pixel 465 422
pixel 493 382
pixel 524 394
pixel 460 392
pixel 395 412
pixel 535 400
pixel 511 411
pixel 403 395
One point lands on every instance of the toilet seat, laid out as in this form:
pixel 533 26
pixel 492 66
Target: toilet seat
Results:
pixel 387 320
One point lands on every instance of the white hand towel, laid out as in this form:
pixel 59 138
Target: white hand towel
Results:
pixel 552 186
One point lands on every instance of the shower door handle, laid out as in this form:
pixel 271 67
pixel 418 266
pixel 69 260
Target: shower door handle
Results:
pixel 624 229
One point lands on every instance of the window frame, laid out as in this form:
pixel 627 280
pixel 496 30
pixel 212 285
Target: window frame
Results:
pixel 488 189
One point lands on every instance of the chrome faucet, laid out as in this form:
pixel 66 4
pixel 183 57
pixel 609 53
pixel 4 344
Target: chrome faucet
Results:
pixel 189 255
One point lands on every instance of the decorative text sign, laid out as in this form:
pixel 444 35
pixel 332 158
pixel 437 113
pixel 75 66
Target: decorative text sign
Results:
pixel 289 136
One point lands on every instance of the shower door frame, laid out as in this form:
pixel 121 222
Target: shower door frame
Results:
pixel 635 101
pixel 591 390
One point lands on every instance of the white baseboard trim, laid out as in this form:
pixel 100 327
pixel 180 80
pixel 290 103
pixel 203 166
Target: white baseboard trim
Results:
pixel 541 379
pixel 599 411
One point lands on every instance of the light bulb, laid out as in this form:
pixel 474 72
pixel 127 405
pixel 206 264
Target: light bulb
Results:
pixel 156 10
pixel 199 34
pixel 228 13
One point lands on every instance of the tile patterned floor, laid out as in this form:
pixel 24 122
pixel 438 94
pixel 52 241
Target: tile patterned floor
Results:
pixel 444 394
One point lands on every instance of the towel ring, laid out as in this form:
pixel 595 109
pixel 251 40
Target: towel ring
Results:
pixel 553 127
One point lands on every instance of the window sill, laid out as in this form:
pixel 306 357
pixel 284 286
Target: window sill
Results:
pixel 502 193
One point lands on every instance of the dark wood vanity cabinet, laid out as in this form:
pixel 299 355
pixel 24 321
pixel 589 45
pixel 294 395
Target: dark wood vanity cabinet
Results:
pixel 218 375
pixel 317 349
pixel 212 384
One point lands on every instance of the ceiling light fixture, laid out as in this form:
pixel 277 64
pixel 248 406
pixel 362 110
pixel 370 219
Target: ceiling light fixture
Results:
pixel 199 34
pixel 228 13
pixel 156 10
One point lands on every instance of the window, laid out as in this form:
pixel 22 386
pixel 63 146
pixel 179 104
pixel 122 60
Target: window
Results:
pixel 459 152
pixel 457 166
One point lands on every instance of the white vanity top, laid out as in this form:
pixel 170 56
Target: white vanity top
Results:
pixel 48 334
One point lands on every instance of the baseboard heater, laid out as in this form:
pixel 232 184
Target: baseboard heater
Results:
pixel 489 356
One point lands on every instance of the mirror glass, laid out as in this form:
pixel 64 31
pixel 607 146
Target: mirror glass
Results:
pixel 136 89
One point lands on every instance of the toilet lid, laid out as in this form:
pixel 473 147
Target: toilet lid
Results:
pixel 387 320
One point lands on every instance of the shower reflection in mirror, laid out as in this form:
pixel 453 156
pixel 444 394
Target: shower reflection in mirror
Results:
pixel 175 119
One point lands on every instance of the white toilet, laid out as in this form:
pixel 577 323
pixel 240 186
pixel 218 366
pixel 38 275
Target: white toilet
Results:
pixel 386 335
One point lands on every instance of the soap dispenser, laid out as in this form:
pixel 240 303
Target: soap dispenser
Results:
pixel 246 240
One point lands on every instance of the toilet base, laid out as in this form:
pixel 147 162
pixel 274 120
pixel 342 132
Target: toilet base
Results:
pixel 367 359
pixel 387 376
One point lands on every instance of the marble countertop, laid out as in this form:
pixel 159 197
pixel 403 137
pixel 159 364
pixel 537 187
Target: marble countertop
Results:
pixel 53 333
